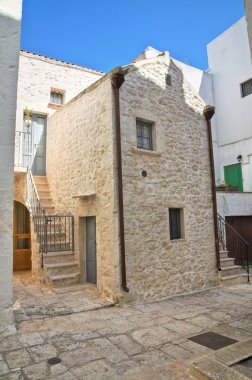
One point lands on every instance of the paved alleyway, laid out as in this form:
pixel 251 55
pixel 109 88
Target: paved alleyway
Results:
pixel 143 341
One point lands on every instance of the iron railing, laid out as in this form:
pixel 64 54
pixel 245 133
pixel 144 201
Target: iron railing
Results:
pixel 23 151
pixel 59 233
pixel 234 243
pixel 54 232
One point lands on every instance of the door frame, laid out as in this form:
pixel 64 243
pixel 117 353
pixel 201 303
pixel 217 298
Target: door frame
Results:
pixel 27 265
pixel 88 218
pixel 31 148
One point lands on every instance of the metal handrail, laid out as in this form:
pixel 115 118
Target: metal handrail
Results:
pixel 233 229
pixel 22 144
pixel 54 232
pixel 234 243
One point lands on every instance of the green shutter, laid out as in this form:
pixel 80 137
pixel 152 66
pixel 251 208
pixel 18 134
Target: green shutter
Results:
pixel 233 175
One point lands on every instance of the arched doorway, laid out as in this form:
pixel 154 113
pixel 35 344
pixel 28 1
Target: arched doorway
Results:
pixel 21 238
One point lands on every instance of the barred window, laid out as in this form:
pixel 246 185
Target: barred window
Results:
pixel 144 135
pixel 56 97
pixel 246 88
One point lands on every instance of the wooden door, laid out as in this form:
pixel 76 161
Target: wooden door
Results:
pixel 91 249
pixel 243 225
pixel 21 238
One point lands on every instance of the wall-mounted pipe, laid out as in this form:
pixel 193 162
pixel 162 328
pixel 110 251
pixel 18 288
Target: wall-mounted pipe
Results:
pixel 208 113
pixel 117 80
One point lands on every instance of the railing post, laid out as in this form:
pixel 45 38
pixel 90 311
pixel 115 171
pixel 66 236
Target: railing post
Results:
pixel 72 233
pixel 45 233
pixel 247 259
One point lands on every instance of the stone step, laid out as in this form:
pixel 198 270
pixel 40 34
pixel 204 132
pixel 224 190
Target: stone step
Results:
pixel 57 257
pixel 65 267
pixel 49 210
pixel 46 202
pixel 234 279
pixel 227 262
pixel 45 197
pixel 223 254
pixel 231 270
pixel 57 246
pixel 64 279
pixel 42 187
pixel 40 179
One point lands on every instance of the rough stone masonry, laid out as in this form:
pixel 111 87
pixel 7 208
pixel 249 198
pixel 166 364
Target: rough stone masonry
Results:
pixel 82 161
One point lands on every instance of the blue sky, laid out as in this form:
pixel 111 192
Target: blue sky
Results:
pixel 104 34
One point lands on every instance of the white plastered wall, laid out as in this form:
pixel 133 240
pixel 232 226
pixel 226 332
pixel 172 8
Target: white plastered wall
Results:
pixel 10 17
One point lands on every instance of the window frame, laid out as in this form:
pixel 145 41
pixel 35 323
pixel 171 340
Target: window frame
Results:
pixel 57 92
pixel 180 212
pixel 143 123
pixel 242 85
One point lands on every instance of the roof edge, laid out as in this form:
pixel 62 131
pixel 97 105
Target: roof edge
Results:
pixel 93 86
pixel 55 61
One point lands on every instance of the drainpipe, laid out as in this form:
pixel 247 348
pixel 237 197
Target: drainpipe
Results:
pixel 208 113
pixel 117 80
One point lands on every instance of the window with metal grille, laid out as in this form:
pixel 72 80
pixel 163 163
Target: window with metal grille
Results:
pixel 144 135
pixel 175 223
pixel 56 97
pixel 246 88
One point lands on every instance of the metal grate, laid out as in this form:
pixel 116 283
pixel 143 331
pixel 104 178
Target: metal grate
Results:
pixel 212 340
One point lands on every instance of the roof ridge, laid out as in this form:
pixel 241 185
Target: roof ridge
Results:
pixel 41 56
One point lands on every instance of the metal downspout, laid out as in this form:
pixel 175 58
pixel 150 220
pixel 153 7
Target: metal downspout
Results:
pixel 208 113
pixel 117 80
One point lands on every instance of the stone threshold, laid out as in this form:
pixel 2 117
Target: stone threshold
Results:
pixel 217 365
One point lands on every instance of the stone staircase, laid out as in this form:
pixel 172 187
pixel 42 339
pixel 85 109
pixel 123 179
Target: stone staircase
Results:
pixel 44 194
pixel 230 273
pixel 60 268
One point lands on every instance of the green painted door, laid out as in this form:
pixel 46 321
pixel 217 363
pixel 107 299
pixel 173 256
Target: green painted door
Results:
pixel 233 176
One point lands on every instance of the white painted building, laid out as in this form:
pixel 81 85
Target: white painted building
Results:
pixel 44 86
pixel 10 18
pixel 231 69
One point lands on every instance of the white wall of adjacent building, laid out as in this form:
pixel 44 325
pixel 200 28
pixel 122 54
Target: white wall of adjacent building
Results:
pixel 10 17
pixel 230 66
pixel 202 82
pixel 39 74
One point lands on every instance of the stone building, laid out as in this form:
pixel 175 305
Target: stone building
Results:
pixel 147 228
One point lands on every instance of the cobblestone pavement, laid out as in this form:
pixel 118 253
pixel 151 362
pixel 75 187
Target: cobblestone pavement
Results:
pixel 147 341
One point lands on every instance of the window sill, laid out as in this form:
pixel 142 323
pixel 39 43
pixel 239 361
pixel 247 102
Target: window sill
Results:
pixel 177 240
pixel 146 152
pixel 54 106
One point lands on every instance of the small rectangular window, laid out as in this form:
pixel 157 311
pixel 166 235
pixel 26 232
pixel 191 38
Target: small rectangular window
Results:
pixel 56 97
pixel 175 223
pixel 168 79
pixel 144 135
pixel 246 88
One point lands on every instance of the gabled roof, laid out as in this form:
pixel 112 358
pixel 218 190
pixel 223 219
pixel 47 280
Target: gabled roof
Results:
pixel 58 62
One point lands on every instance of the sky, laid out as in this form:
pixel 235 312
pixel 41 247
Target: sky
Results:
pixel 103 34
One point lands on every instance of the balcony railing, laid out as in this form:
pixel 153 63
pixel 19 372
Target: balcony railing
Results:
pixel 23 151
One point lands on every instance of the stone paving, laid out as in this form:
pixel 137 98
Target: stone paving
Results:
pixel 142 341
pixel 36 301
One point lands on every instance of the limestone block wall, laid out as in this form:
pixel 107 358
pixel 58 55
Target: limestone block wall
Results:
pixel 178 175
pixel 80 171
pixel 10 16
pixel 20 187
pixel 38 74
